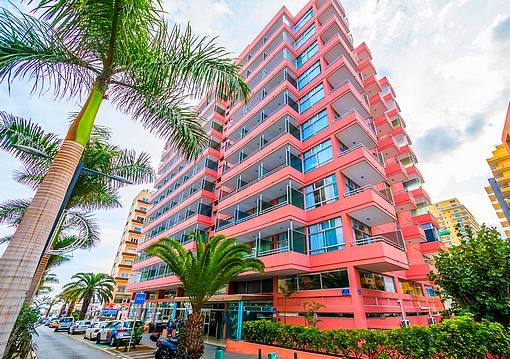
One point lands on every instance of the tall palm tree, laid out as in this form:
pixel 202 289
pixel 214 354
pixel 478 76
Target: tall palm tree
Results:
pixel 78 228
pixel 70 298
pixel 120 50
pixel 202 274
pixel 51 304
pixel 89 288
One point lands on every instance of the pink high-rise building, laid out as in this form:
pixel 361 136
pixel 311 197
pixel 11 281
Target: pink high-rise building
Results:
pixel 317 174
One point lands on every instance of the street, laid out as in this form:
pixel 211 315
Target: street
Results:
pixel 51 345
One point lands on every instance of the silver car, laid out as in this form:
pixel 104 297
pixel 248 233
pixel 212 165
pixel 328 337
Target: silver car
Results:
pixel 64 323
pixel 80 326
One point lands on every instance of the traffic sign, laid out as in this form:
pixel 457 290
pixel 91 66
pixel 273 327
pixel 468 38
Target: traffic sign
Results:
pixel 140 298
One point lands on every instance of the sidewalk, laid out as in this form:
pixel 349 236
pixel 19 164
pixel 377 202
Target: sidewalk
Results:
pixel 208 351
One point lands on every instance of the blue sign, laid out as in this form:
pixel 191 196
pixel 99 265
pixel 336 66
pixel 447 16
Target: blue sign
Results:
pixel 140 298
pixel 346 291
pixel 109 312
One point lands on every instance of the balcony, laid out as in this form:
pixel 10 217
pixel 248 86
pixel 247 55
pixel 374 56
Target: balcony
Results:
pixel 282 253
pixel 372 86
pixel 332 31
pixel 261 136
pixel 419 271
pixel 380 253
pixel 413 172
pixel 272 157
pixel 362 165
pixel 388 147
pixel 335 49
pixel 432 248
pixel 421 195
pixel 270 199
pixel 346 98
pixel 383 124
pixel 395 172
pixel 333 11
pixel 370 206
pixel 377 106
pixel 405 150
pixel 351 129
pixel 413 233
pixel 363 52
pixel 267 107
pixel 426 218
pixel 404 201
pixel 366 68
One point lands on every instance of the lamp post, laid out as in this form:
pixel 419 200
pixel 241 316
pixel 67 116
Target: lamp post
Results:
pixel 43 261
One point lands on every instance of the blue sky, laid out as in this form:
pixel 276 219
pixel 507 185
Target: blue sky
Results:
pixel 446 61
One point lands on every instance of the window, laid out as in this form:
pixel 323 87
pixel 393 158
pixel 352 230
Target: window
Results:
pixel 304 37
pixel 430 291
pixel 314 124
pixel 307 54
pixel 410 287
pixel 360 229
pixel 137 229
pixel 431 233
pixel 121 289
pixel 376 281
pixel 304 19
pixel 323 280
pixel 326 236
pixel 124 275
pixel 350 185
pixel 253 286
pixel 311 98
pixel 321 192
pixel 307 76
pixel 317 156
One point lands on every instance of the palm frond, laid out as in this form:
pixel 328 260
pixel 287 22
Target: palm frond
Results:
pixel 78 226
pixel 133 167
pixel 32 49
pixel 56 260
pixel 164 113
pixel 16 130
pixel 30 176
pixel 12 211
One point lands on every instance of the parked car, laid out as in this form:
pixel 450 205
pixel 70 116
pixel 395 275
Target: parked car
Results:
pixel 104 333
pixel 120 332
pixel 54 323
pixel 91 332
pixel 49 320
pixel 64 323
pixel 79 327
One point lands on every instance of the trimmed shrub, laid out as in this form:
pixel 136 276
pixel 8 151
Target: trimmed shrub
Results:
pixel 457 338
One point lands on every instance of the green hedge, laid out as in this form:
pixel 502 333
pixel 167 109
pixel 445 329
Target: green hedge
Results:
pixel 460 337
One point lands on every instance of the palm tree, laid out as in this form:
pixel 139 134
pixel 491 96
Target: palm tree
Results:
pixel 215 263
pixel 44 286
pixel 78 228
pixel 70 298
pixel 51 304
pixel 89 288
pixel 119 50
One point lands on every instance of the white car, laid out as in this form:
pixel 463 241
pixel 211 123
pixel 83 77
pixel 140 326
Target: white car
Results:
pixel 104 334
pixel 80 326
pixel 91 332
pixel 119 332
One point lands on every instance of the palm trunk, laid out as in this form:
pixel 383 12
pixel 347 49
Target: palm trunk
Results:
pixel 70 310
pixel 191 341
pixel 39 273
pixel 49 310
pixel 19 262
pixel 84 307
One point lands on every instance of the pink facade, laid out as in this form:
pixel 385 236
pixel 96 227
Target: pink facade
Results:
pixel 316 173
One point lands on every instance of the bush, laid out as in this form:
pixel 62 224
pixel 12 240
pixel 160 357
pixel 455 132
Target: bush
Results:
pixel 20 343
pixel 457 338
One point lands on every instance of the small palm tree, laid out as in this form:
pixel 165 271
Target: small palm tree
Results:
pixel 51 304
pixel 119 50
pixel 89 288
pixel 286 292
pixel 202 274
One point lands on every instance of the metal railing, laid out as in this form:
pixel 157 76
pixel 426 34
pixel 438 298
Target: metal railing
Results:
pixel 378 156
pixel 365 188
pixel 376 239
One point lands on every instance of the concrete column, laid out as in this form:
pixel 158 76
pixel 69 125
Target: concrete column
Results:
pixel 360 319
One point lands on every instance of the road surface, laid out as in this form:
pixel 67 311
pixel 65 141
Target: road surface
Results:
pixel 51 345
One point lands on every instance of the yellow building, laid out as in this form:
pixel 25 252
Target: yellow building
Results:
pixel 499 185
pixel 126 251
pixel 451 213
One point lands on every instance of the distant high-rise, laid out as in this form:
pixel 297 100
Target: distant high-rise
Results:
pixel 316 173
pixel 126 251
pixel 451 215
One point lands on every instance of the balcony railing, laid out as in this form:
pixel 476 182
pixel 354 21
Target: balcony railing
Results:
pixel 377 156
pixel 396 242
pixel 386 197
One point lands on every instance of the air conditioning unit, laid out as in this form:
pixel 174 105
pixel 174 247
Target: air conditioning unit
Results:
pixel 432 320
pixel 405 323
